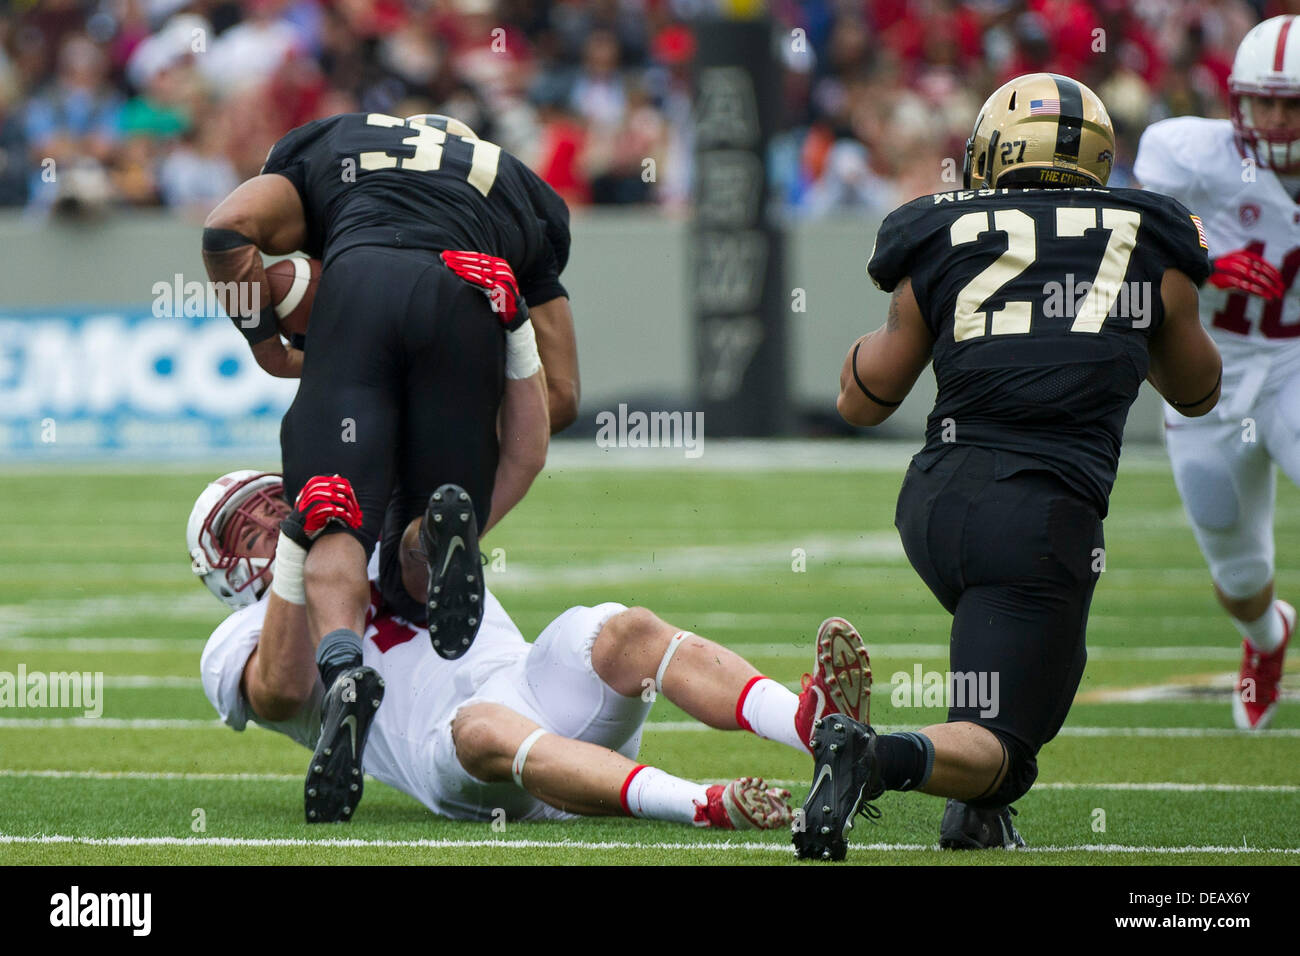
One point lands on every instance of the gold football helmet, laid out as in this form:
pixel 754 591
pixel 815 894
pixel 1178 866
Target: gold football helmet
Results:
pixel 1040 129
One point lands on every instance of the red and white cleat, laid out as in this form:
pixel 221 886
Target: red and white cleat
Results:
pixel 1255 698
pixel 840 682
pixel 745 804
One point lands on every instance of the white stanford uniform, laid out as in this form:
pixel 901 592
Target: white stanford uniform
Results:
pixel 1223 461
pixel 550 682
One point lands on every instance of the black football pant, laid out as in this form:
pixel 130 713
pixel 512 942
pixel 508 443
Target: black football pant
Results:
pixel 1012 560
pixel 402 377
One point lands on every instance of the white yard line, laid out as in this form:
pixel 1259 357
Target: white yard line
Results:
pixel 794 649
pixel 654 727
pixel 784 848
pixel 148 681
pixel 104 645
pixel 109 723
pixel 161 775
pixel 152 775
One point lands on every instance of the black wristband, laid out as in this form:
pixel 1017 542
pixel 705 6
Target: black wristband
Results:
pixel 1202 399
pixel 258 328
pixel 866 391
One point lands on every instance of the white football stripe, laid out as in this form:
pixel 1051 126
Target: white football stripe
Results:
pixel 297 289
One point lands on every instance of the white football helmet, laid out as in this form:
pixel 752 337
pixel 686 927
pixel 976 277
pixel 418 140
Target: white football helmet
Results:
pixel 443 122
pixel 1267 64
pixel 226 507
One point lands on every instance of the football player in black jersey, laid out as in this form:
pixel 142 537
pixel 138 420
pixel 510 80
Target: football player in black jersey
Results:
pixel 1044 299
pixel 440 292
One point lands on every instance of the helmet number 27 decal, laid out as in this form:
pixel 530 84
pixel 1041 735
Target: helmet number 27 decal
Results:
pixel 970 315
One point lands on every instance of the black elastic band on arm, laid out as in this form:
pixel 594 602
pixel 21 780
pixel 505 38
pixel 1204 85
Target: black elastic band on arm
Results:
pixel 1204 398
pixel 866 391
pixel 223 240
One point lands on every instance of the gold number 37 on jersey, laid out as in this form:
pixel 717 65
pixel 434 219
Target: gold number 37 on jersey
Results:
pixel 428 141
pixel 970 318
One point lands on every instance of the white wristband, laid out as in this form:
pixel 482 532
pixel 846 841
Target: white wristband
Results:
pixel 286 579
pixel 522 360
pixel 521 755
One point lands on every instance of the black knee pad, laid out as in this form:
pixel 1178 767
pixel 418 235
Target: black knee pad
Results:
pixel 1022 771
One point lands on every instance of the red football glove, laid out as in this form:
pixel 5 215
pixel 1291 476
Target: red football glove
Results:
pixel 1248 271
pixel 322 500
pixel 497 281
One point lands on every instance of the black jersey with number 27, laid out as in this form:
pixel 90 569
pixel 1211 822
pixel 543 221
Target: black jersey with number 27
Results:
pixel 377 180
pixel 1041 303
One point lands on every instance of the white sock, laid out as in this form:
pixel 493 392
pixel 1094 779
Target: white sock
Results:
pixel 1266 632
pixel 651 793
pixel 767 709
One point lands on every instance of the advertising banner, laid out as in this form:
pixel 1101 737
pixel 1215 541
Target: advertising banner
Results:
pixel 88 382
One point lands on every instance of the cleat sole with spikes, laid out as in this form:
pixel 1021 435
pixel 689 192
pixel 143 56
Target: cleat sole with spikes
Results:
pixel 449 537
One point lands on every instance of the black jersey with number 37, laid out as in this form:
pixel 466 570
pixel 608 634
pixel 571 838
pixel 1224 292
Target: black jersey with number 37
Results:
pixel 378 180
pixel 1040 302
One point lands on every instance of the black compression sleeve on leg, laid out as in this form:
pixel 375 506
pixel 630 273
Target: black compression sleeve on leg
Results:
pixel 906 760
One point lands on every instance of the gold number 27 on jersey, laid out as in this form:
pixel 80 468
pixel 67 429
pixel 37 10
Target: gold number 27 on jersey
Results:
pixel 970 318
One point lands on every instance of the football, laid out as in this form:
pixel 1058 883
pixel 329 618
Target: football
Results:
pixel 293 289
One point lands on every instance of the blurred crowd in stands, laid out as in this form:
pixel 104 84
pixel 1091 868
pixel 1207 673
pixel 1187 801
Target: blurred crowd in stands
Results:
pixel 106 103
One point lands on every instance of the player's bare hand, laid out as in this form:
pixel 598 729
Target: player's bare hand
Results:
pixel 278 359
pixel 1247 271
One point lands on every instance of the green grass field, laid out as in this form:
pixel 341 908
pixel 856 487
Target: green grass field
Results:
pixel 95 578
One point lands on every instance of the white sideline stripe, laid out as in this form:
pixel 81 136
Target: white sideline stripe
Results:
pixel 53 838
pixel 687 726
pixel 1174 787
pixel 1177 732
pixel 110 723
pixel 661 727
pixel 297 778
pixel 136 681
pixel 129 645
pixel 151 775
pixel 147 681
pixel 1122 786
pixel 167 645
pixel 914 652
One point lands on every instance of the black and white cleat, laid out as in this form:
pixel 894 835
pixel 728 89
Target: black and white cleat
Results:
pixel 334 777
pixel 970 828
pixel 450 541
pixel 846 775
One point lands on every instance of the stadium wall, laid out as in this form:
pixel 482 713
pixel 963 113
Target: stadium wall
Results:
pixel 87 368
